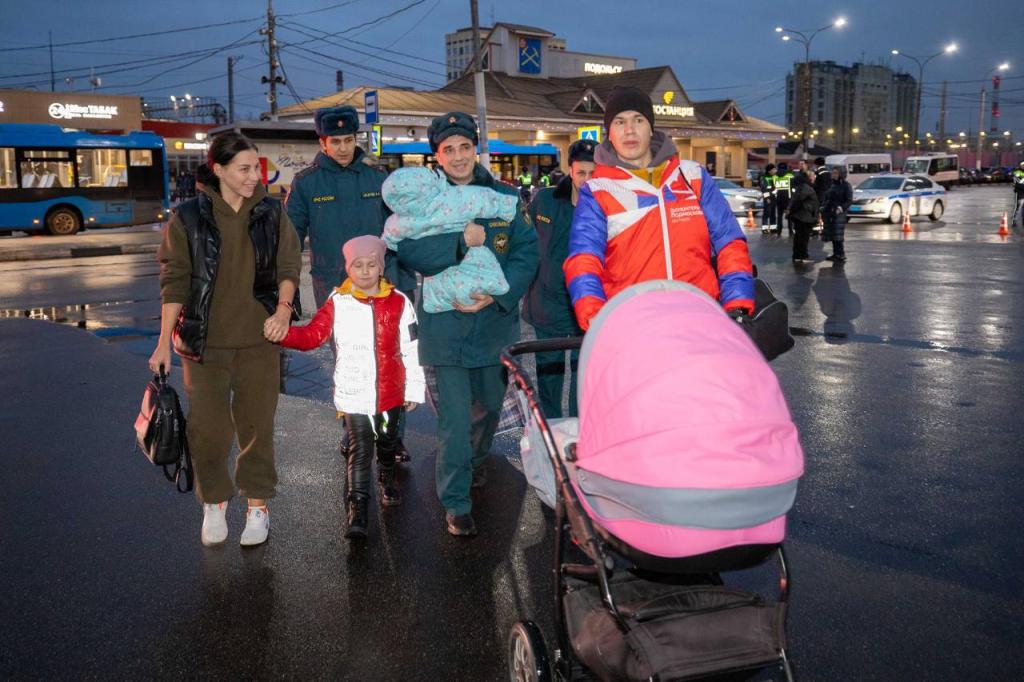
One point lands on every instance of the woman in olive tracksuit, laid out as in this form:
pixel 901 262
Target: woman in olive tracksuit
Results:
pixel 228 278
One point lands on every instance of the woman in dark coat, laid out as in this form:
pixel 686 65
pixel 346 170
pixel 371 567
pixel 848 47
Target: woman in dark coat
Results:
pixel 803 213
pixel 835 208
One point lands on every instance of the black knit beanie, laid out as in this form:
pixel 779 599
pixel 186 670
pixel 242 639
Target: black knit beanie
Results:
pixel 628 99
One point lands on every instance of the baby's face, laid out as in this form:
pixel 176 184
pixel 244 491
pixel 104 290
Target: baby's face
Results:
pixel 365 272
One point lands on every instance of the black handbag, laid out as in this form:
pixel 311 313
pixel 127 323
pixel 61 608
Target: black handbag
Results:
pixel 160 432
pixel 769 325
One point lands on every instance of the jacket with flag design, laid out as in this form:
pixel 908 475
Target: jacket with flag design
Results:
pixel 377 367
pixel 625 230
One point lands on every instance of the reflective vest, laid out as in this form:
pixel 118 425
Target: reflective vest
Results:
pixel 525 179
pixel 784 182
pixel 545 181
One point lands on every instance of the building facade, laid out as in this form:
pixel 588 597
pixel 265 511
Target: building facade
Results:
pixel 852 108
pixel 532 121
pixel 516 50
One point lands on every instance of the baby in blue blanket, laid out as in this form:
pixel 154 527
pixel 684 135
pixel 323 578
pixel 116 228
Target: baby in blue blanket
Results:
pixel 424 205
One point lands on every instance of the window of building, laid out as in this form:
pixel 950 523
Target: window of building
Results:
pixel 7 176
pixel 47 168
pixel 103 168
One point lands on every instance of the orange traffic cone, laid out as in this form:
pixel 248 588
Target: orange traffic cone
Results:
pixel 750 218
pixel 1004 231
pixel 906 223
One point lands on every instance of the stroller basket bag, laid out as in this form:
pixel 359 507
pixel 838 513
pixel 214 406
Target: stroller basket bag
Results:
pixel 675 632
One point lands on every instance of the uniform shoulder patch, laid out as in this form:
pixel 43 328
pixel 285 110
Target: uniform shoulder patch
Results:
pixel 308 170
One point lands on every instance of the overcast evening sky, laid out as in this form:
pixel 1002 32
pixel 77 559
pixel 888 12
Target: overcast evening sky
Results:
pixel 717 49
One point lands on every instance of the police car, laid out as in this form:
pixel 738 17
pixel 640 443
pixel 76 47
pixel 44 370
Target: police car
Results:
pixel 893 195
pixel 741 199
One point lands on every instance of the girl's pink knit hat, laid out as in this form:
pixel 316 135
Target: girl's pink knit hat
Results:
pixel 365 246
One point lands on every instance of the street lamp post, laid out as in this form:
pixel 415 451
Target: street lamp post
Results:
pixel 921 62
pixel 806 38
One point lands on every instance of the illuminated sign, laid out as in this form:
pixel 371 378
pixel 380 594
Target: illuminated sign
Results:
pixel 668 110
pixel 668 97
pixel 62 110
pixel 376 140
pixel 1 107
pixel 591 67
pixel 589 133
pixel 190 146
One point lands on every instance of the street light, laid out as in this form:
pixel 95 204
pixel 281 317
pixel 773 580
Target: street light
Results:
pixel 806 37
pixel 921 62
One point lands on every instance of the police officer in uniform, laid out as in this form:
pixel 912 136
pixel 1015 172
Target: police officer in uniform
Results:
pixel 525 184
pixel 783 191
pixel 768 215
pixel 462 346
pixel 547 306
pixel 1018 194
pixel 338 198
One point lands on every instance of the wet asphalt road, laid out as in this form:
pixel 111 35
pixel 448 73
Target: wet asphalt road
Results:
pixel 905 540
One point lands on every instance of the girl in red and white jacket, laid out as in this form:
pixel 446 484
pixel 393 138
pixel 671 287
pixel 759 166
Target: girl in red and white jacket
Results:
pixel 377 373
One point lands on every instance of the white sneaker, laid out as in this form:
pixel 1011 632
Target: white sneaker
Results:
pixel 215 526
pixel 257 526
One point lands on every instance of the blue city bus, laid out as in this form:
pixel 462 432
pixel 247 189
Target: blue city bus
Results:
pixel 62 181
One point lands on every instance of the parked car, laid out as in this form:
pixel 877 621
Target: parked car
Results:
pixel 741 199
pixel 966 176
pixel 892 196
pixel 999 174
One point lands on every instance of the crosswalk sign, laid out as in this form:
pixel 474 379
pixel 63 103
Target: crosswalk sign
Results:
pixel 589 133
pixel 376 141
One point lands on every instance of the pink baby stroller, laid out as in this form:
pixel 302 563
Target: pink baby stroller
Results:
pixel 682 465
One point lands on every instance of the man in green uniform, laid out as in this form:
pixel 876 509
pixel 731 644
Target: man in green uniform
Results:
pixel 547 305
pixel 335 199
pixel 462 346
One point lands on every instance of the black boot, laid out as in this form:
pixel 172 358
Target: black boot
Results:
pixel 387 486
pixel 357 517
pixel 360 452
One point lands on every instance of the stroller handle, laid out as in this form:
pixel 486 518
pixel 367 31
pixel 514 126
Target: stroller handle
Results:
pixel 542 346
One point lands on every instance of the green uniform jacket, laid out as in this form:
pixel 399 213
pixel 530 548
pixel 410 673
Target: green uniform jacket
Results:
pixel 331 204
pixel 547 305
pixel 474 339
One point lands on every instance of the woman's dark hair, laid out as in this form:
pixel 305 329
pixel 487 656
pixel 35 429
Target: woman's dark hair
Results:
pixel 223 149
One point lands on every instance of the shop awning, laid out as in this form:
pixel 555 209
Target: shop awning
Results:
pixel 494 147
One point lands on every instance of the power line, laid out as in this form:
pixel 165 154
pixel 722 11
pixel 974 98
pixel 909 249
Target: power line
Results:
pixel 131 37
pixel 359 67
pixel 325 35
pixel 141 64
pixel 352 49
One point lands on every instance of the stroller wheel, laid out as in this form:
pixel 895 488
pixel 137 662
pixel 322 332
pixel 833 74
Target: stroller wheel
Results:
pixel 527 654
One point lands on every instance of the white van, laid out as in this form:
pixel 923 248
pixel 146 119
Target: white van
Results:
pixel 942 169
pixel 860 167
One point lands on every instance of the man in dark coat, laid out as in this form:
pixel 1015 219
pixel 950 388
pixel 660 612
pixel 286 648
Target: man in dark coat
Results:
pixel 547 305
pixel 463 346
pixel 834 209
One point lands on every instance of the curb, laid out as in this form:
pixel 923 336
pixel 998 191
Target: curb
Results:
pixel 76 252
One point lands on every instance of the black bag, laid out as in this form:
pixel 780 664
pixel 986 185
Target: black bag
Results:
pixel 769 327
pixel 160 432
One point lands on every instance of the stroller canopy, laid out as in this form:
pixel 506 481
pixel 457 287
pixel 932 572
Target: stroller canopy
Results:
pixel 682 425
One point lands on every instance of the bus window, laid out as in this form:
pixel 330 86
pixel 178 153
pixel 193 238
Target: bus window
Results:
pixel 141 157
pixel 102 168
pixel 46 168
pixel 7 177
